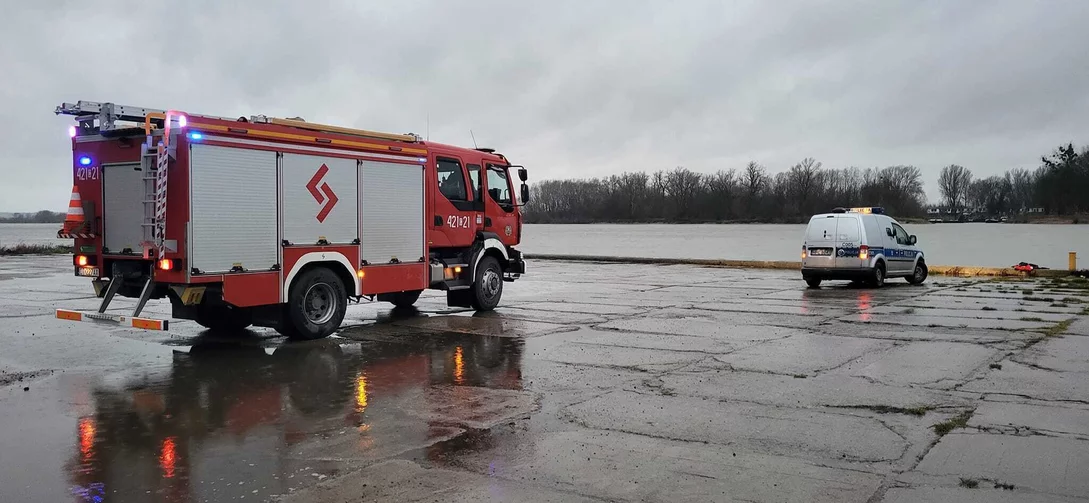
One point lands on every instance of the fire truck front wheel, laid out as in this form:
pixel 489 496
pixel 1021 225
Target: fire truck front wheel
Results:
pixel 488 284
pixel 315 305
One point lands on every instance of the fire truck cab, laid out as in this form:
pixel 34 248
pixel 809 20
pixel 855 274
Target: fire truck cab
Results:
pixel 281 222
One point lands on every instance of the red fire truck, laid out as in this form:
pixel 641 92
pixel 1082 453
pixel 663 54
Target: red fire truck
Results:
pixel 281 222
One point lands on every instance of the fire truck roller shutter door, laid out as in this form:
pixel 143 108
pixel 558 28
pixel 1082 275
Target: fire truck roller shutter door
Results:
pixel 393 212
pixel 122 207
pixel 232 208
pixel 320 199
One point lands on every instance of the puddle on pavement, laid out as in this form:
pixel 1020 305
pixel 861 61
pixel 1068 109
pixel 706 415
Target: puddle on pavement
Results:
pixel 237 419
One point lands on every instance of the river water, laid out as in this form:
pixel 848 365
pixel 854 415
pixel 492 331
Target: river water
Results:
pixel 980 244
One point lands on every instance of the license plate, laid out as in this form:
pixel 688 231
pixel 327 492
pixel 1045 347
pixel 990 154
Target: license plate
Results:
pixel 824 252
pixel 90 272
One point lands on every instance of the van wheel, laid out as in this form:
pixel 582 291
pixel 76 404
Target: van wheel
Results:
pixel 316 305
pixel 813 282
pixel 877 279
pixel 921 272
pixel 488 284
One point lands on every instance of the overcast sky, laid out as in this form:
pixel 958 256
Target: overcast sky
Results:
pixel 570 88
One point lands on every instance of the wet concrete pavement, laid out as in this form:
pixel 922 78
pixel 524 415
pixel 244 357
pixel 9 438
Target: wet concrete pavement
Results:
pixel 591 382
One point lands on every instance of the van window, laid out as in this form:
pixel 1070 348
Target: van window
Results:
pixel 847 230
pixel 821 229
pixel 901 235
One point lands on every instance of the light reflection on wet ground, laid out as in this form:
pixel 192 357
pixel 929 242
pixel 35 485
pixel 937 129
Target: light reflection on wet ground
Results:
pixel 230 419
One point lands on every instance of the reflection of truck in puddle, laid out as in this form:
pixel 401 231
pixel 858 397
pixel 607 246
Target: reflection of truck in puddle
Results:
pixel 228 420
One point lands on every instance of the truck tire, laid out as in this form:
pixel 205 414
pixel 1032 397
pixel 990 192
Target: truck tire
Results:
pixel 487 285
pixel 223 319
pixel 315 305
pixel 405 299
pixel 813 282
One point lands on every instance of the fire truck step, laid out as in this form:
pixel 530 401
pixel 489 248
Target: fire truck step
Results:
pixel 125 321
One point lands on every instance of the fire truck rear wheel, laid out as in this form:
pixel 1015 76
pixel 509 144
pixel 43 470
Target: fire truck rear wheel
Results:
pixel 488 284
pixel 315 305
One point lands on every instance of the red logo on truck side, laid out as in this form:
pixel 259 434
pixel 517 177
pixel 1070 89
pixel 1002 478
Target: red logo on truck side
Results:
pixel 325 196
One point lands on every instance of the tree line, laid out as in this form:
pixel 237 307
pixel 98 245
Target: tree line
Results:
pixel 1059 186
pixel 753 194
pixel 41 217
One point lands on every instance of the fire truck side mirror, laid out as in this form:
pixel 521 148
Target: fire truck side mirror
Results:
pixel 525 193
pixel 522 175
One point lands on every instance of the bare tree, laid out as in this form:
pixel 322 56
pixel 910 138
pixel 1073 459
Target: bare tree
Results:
pixel 754 180
pixel 954 182
pixel 683 185
pixel 802 179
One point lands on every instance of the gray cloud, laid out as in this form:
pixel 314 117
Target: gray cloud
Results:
pixel 570 88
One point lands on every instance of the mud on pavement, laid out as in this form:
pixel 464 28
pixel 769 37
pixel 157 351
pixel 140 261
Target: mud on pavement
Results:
pixel 591 382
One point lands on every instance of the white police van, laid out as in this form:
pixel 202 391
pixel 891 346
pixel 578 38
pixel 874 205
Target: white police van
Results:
pixel 862 245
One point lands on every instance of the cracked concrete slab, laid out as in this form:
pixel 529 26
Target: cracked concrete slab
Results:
pixel 787 391
pixel 641 468
pixel 801 354
pixel 1041 464
pixel 940 321
pixel 807 433
pixel 899 332
pixel 1018 418
pixel 1064 354
pixel 748 306
pixel 963 495
pixel 967 313
pixel 488 324
pixel 582 307
pixel 739 329
pixel 649 360
pixel 1079 327
pixel 402 480
pixel 1026 381
pixel 941 364
pixel 621 340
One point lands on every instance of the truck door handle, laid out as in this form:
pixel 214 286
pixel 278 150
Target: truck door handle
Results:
pixel 487 222
pixel 438 221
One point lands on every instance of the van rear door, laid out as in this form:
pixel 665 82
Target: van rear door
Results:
pixel 848 241
pixel 820 242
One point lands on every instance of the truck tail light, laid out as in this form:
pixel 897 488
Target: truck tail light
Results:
pixel 81 260
pixel 863 252
pixel 803 251
pixel 166 264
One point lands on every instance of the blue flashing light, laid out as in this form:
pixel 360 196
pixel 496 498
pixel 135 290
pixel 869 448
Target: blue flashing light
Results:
pixel 84 161
pixel 195 135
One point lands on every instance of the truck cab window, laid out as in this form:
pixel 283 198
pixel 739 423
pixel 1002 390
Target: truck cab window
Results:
pixel 474 178
pixel 451 180
pixel 498 187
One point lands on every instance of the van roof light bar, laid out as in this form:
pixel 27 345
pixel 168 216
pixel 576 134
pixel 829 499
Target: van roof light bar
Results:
pixel 876 210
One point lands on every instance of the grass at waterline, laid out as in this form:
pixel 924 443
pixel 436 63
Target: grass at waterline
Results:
pixel 25 249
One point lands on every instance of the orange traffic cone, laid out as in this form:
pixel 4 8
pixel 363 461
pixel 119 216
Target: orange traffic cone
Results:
pixel 73 222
